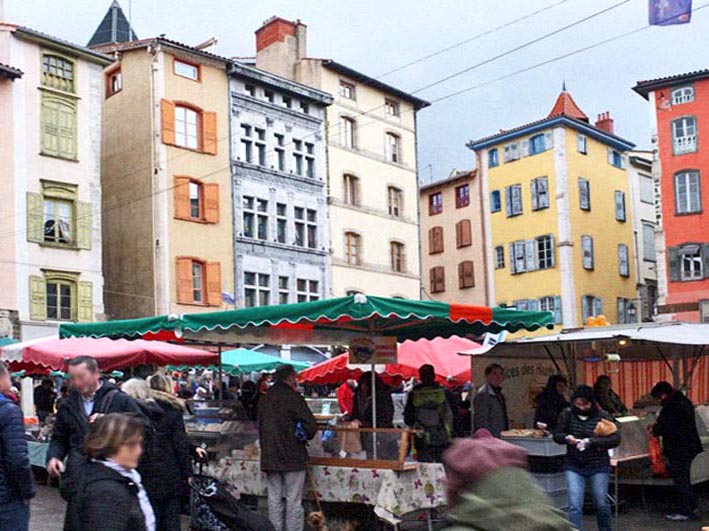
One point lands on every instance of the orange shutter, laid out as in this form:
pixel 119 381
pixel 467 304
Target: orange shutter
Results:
pixel 167 111
pixel 211 202
pixel 214 284
pixel 182 197
pixel 209 131
pixel 184 280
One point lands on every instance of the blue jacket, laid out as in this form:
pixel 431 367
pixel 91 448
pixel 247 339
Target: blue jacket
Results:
pixel 15 473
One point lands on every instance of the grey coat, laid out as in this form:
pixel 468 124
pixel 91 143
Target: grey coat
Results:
pixel 489 412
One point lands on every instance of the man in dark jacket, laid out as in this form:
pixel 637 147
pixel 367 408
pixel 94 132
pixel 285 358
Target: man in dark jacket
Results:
pixel 89 398
pixel 490 405
pixel 285 424
pixel 428 410
pixel 16 486
pixel 44 397
pixel 677 426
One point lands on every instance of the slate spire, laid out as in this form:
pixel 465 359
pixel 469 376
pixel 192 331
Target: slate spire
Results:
pixel 113 28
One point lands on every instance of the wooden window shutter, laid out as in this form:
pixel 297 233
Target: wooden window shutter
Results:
pixel 438 282
pixel 439 239
pixel 674 266
pixel 184 280
pixel 84 225
pixel 182 197
pixel 214 283
pixel 209 132
pixel 35 218
pixel 85 313
pixel 459 234
pixel 167 119
pixel 466 274
pixel 38 299
pixel 211 202
pixel 435 240
pixel 463 235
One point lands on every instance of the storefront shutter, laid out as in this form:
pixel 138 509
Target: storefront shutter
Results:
pixel 184 280
pixel 167 116
pixel 38 299
pixel 214 284
pixel 35 218
pixel 209 129
pixel 85 301
pixel 211 203
pixel 84 225
pixel 182 198
pixel 673 259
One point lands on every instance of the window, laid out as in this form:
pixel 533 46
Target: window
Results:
pixel 647 190
pixel 350 189
pixel 540 193
pixel 539 143
pixel 287 102
pixel 347 90
pixel 493 158
pixel 307 290
pixel 58 72
pixel 513 196
pixel 615 158
pixel 462 196
pixel 435 240
pixel 260 144
pixel 310 160
pixel 553 305
pixel 398 257
pixel 187 127
pixel 304 107
pixel 298 157
pixel 495 201
pixel 257 289
pixel 435 203
pixel 438 279
pixel 620 206
pixel 511 152
pixel 249 217
pixel 587 252
pixel 392 107
pixel 198 282
pixel 518 257
pixel 60 295
pixel 347 132
pixel 687 193
pixel 626 311
pixel 704 311
pixel 281 223
pixel 463 234
pixel 528 305
pixel 312 228
pixel 114 81
pixel 299 225
pixel 188 70
pixel 195 191
pixel 687 262
pixel 649 241
pixel 466 274
pixel 395 199
pixel 280 150
pixel 591 306
pixel 195 200
pixel 584 194
pixel 58 221
pixel 56 217
pixel 250 90
pixel 499 257
pixel 623 260
pixel 247 144
pixel 393 148
pixel 262 219
pixel 692 266
pixel 684 135
pixel 545 252
pixel 283 290
pixel 269 96
pixel 682 95
pixel 582 144
pixel 58 127
pixel 353 248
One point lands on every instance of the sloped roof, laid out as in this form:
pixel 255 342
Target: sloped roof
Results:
pixel 113 28
pixel 645 87
pixel 455 175
pixel 143 43
pixel 565 105
pixel 74 49
pixel 10 72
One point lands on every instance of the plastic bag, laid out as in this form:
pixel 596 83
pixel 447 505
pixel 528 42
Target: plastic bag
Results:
pixel 657 461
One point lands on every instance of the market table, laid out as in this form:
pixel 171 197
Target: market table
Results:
pixel 392 494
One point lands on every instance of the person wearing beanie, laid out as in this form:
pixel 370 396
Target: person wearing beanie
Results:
pixel 588 433
pixel 489 489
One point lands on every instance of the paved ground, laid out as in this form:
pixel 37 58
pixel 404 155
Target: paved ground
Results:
pixel 48 512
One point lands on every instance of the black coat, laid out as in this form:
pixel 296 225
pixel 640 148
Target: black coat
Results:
pixel 677 425
pixel 108 501
pixel 279 411
pixel 15 474
pixel 550 404
pixel 595 457
pixel 44 399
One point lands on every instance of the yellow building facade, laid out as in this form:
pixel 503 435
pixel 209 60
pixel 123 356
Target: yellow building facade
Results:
pixel 557 205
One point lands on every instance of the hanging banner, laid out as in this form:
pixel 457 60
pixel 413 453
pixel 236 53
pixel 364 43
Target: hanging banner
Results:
pixel 669 12
pixel 369 350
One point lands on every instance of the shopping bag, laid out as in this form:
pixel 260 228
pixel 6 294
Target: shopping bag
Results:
pixel 350 441
pixel 657 461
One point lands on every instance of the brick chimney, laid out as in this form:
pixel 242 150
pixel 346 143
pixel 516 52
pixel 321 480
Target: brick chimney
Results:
pixel 605 122
pixel 280 44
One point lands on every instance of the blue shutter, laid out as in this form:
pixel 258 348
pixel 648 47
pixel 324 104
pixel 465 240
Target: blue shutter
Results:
pixel 585 308
pixel 598 306
pixel 535 194
pixel 512 259
pixel 508 201
pixel 530 255
pixel 557 310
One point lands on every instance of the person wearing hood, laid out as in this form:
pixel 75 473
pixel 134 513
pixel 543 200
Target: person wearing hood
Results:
pixel 489 489
pixel 588 433
pixel 89 399
pixel 607 398
pixel 490 405
pixel 551 402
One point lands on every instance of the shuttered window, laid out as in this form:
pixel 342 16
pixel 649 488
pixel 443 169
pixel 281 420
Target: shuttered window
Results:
pixel 196 201
pixel 438 279
pixel 587 252
pixel 466 274
pixel 513 198
pixel 584 194
pixel 435 240
pixel 591 307
pixel 620 214
pixel 58 126
pixel 552 304
pixel 688 262
pixel 463 234
pixel 623 260
pixel 55 217
pixel 189 127
pixel 59 296
pixel 540 193
pixel 198 282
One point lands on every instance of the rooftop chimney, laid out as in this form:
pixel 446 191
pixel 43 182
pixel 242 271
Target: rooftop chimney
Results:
pixel 605 122
pixel 280 44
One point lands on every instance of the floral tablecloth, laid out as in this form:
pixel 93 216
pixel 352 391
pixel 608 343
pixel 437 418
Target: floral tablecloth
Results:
pixel 393 494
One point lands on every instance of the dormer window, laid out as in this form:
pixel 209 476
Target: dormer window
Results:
pixel 682 95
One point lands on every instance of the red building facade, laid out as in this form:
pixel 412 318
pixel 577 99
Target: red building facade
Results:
pixel 679 108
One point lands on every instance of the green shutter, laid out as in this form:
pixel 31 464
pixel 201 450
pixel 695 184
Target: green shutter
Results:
pixel 85 302
pixel 49 129
pixel 84 225
pixel 35 217
pixel 67 130
pixel 58 127
pixel 38 299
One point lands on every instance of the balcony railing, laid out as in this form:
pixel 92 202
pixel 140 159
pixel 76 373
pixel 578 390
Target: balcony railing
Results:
pixel 685 144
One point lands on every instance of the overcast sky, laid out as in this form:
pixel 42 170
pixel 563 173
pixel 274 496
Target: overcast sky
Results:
pixel 375 37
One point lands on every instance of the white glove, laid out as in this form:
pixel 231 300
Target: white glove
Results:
pixel 583 444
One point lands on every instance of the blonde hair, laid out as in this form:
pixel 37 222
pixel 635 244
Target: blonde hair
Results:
pixel 137 388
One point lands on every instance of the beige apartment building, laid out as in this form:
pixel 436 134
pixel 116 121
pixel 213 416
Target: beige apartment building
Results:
pixel 372 174
pixel 453 248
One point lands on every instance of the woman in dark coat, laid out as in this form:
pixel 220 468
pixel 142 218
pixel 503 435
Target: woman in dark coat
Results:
pixel 551 402
pixel 363 405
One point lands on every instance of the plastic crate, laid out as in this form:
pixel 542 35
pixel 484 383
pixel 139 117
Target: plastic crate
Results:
pixel 551 482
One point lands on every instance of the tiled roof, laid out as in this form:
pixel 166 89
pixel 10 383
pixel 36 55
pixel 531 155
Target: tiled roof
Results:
pixel 645 87
pixel 566 105
pixel 455 175
pixel 33 34
pixel 10 72
pixel 132 45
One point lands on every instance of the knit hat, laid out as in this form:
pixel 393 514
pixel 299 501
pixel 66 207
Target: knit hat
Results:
pixel 468 460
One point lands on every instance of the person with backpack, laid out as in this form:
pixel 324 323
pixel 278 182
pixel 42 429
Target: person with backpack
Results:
pixel 90 398
pixel 428 409
pixel 16 485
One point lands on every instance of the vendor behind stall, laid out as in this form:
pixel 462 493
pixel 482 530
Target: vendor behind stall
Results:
pixel 551 402
pixel 608 399
pixel 490 405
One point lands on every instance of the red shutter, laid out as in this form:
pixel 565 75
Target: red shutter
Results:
pixel 210 193
pixel 182 197
pixel 209 131
pixel 167 113
pixel 463 234
pixel 214 283
pixel 466 274
pixel 184 280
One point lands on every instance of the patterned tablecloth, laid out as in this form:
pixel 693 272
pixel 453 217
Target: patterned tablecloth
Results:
pixel 393 494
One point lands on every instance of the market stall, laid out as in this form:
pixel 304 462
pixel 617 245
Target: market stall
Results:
pixel 245 361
